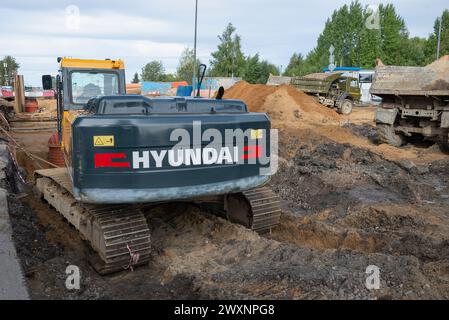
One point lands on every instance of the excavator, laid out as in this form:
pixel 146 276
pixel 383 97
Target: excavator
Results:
pixel 125 152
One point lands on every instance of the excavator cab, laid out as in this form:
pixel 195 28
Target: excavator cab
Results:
pixel 80 80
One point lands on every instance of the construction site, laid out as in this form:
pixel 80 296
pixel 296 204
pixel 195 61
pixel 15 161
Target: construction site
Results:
pixel 348 201
pixel 324 180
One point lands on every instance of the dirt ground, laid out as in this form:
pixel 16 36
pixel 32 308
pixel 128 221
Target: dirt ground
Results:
pixel 348 203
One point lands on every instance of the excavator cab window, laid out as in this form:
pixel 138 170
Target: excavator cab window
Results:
pixel 87 85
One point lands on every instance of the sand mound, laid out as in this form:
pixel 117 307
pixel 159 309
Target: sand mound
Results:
pixel 442 63
pixel 285 105
pixel 133 88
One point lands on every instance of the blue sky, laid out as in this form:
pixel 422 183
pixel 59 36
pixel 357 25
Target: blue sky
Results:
pixel 138 31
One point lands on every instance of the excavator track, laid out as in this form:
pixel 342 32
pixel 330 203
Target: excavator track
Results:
pixel 119 234
pixel 257 209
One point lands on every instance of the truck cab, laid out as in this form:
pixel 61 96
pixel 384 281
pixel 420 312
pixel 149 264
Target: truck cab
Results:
pixel 333 90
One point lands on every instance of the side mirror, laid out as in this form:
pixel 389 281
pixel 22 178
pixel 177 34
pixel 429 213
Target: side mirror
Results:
pixel 47 82
pixel 201 73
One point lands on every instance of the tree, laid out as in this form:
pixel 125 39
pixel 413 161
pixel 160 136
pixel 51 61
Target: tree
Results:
pixel 369 47
pixel 253 69
pixel 153 71
pixel 257 71
pixel 169 77
pixel 358 45
pixel 184 72
pixel 267 68
pixel 7 75
pixel 136 78
pixel 295 66
pixel 432 43
pixel 228 60
pixel 394 36
pixel 416 48
pixel 342 30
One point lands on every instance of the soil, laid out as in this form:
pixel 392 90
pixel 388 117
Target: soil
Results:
pixel 348 203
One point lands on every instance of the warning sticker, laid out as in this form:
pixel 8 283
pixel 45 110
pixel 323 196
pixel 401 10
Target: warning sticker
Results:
pixel 256 134
pixel 103 141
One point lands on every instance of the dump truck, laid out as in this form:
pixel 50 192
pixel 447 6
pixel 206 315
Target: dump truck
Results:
pixel 334 89
pixel 415 103
pixel 125 153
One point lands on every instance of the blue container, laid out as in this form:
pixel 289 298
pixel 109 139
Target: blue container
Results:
pixel 155 87
pixel 184 91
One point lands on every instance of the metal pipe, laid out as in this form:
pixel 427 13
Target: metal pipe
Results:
pixel 5 64
pixel 194 47
pixel 439 38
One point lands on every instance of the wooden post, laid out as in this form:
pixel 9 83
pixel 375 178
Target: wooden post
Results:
pixel 19 94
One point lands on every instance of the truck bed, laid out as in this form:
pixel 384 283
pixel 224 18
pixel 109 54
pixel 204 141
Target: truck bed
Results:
pixel 432 80
pixel 315 82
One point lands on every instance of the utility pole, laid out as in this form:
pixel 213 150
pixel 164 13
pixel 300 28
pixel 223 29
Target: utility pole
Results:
pixel 232 58
pixel 5 65
pixel 194 47
pixel 439 38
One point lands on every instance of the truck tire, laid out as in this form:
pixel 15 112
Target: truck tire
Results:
pixel 387 135
pixel 443 144
pixel 346 107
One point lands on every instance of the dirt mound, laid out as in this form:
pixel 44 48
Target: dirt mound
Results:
pixel 254 95
pixel 285 105
pixel 441 63
pixel 133 88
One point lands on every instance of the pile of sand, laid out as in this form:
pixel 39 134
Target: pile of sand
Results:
pixel 285 105
pixel 133 88
pixel 442 63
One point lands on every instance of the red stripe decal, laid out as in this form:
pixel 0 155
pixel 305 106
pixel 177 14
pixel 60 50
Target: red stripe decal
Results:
pixel 253 152
pixel 104 160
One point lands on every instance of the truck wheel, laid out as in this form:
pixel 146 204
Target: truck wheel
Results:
pixel 346 107
pixel 443 143
pixel 387 135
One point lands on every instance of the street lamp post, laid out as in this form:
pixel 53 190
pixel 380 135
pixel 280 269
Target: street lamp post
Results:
pixel 439 38
pixel 232 59
pixel 194 47
pixel 5 65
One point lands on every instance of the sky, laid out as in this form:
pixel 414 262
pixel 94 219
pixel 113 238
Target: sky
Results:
pixel 139 31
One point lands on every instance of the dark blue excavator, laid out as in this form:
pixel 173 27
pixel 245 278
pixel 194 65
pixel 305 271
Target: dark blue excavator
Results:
pixel 125 152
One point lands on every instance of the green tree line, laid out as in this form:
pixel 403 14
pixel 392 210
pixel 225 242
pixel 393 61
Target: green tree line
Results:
pixel 361 34
pixel 227 61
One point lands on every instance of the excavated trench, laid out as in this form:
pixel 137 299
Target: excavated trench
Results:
pixel 346 207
